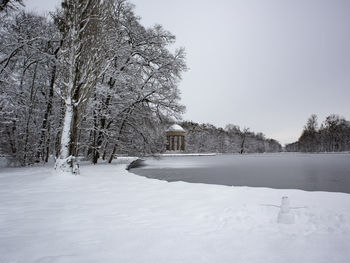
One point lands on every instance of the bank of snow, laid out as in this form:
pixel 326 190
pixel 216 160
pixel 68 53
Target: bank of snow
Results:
pixel 110 215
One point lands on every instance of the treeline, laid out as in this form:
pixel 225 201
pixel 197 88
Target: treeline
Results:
pixel 231 139
pixel 333 135
pixel 88 81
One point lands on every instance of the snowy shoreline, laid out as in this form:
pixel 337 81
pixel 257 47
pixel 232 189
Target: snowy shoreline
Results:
pixel 109 215
pixel 184 154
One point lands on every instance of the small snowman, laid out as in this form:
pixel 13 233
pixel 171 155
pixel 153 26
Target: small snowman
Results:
pixel 285 216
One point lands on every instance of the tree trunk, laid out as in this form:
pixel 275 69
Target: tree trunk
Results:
pixel 66 131
pixel 29 116
pixel 45 126
pixel 73 146
pixel 119 136
pixel 98 140
pixel 242 144
pixel 113 153
pixel 65 163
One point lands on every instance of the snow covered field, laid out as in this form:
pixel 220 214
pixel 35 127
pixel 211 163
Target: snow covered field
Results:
pixel 109 215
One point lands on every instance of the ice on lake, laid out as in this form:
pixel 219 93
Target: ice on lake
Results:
pixel 311 172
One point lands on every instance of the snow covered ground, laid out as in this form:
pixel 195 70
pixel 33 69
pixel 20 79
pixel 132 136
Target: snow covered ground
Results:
pixel 109 215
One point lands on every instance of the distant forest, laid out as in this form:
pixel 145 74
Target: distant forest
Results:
pixel 208 138
pixel 333 135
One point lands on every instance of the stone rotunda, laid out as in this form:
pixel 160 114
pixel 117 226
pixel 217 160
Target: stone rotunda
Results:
pixel 175 136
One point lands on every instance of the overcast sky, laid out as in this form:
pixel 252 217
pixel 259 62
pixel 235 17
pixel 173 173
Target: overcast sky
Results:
pixel 263 64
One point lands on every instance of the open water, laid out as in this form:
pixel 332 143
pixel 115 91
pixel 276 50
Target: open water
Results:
pixel 311 172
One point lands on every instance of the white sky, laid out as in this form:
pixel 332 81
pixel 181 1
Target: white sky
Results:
pixel 263 64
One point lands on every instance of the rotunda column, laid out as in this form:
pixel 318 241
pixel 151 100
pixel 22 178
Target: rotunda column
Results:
pixel 172 143
pixel 183 143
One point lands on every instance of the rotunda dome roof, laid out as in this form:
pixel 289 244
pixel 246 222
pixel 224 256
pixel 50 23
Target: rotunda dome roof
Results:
pixel 175 127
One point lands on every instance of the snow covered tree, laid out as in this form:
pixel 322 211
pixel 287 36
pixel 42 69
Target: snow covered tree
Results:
pixel 9 5
pixel 336 131
pixel 332 136
pixel 138 90
pixel 26 56
pixel 95 83
pixel 208 138
pixel 82 56
pixel 243 139
pixel 309 135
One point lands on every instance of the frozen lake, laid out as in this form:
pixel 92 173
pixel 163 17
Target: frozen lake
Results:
pixel 311 172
